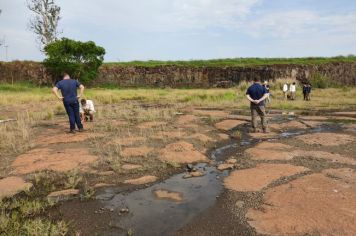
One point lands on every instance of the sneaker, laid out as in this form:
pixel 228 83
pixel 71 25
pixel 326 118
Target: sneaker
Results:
pixel 72 131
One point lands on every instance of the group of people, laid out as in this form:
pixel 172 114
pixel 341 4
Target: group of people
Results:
pixel 290 90
pixel 78 112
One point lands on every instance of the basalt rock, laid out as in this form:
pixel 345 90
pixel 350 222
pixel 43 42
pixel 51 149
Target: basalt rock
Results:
pixel 184 76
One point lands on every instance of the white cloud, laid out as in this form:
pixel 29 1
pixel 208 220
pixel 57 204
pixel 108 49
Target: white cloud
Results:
pixel 291 23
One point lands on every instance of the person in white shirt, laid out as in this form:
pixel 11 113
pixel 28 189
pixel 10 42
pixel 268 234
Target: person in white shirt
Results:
pixel 87 110
pixel 285 90
pixel 292 90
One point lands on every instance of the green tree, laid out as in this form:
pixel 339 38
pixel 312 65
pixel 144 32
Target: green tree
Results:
pixel 80 59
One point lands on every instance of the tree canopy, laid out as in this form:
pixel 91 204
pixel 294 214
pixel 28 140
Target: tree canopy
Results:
pixel 80 59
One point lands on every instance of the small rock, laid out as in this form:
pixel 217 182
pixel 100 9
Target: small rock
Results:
pixel 222 167
pixel 231 161
pixel 240 204
pixel 63 194
pixel 111 209
pixel 193 174
pixel 190 167
pixel 124 210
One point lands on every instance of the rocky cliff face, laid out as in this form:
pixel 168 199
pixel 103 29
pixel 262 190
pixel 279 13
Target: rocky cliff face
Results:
pixel 176 76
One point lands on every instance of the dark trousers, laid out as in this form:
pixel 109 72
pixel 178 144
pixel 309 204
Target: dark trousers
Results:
pixel 72 109
pixel 261 112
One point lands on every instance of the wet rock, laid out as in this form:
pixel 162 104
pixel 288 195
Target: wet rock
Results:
pixel 193 174
pixel 63 195
pixel 223 167
pixel 141 180
pixel 11 186
pixel 168 195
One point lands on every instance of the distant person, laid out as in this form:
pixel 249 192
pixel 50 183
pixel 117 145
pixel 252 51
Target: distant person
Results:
pixel 257 94
pixel 305 91
pixel 267 87
pixel 87 110
pixel 309 89
pixel 292 90
pixel 70 98
pixel 285 90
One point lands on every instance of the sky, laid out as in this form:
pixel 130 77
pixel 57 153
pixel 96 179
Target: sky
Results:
pixel 191 29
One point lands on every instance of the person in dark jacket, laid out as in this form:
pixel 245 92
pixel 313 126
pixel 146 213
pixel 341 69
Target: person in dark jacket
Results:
pixel 308 90
pixel 305 91
pixel 257 94
pixel 70 101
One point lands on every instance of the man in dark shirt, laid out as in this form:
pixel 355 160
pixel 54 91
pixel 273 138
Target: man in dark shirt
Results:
pixel 70 98
pixel 257 94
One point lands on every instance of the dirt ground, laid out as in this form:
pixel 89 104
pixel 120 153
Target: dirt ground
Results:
pixel 300 179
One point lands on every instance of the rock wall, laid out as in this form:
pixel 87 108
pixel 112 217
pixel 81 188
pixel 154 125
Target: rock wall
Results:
pixel 177 76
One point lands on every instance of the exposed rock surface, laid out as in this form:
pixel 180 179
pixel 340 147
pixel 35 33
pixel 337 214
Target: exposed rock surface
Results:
pixel 12 185
pixel 184 76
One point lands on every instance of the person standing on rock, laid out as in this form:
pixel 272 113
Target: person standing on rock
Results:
pixel 292 90
pixel 257 94
pixel 70 98
pixel 285 90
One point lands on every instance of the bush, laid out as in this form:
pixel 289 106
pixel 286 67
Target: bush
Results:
pixel 321 81
pixel 80 59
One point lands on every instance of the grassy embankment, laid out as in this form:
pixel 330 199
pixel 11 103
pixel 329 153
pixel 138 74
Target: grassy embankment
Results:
pixel 239 62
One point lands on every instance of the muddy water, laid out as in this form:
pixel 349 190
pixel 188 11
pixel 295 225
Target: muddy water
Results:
pixel 149 215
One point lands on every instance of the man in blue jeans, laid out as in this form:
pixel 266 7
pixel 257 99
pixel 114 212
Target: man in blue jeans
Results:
pixel 70 98
pixel 257 94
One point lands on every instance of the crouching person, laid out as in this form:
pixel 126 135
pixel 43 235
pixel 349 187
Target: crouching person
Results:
pixel 87 110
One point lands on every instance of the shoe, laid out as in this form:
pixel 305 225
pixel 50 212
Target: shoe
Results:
pixel 265 131
pixel 72 131
pixel 81 130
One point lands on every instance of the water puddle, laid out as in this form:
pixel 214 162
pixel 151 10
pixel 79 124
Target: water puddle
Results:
pixel 150 215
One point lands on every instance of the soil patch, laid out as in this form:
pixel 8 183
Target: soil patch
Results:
pixel 142 180
pixel 229 124
pixel 169 134
pixel 186 119
pixel 167 195
pixel 212 113
pixel 202 138
pixel 48 159
pixel 66 138
pixel 10 186
pixel 181 152
pixel 142 151
pixel 311 205
pixel 151 124
pixel 127 141
pixel 346 174
pixel 255 179
pixel 314 118
pixel 131 166
pixel 326 139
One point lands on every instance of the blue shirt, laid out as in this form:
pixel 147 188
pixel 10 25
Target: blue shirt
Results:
pixel 68 89
pixel 256 92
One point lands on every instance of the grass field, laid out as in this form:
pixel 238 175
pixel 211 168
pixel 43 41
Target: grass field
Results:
pixel 330 98
pixel 238 62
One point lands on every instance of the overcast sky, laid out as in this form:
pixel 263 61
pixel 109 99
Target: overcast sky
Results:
pixel 192 29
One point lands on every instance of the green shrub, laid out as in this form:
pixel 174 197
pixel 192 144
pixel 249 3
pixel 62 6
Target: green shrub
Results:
pixel 80 59
pixel 322 81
